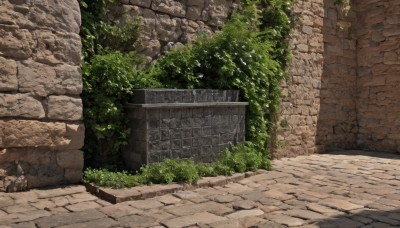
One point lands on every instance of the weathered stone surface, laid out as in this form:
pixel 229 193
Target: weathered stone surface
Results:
pixel 67 218
pixel 21 105
pixel 340 204
pixel 211 207
pixel 43 79
pixel 28 133
pixel 245 213
pixel 16 43
pixel 203 217
pixel 64 108
pixel 73 176
pixel 54 15
pixel 174 8
pixel 285 220
pixel 8 75
pixel 137 221
pixel 217 11
pixel 40 55
pixel 70 159
pixel 117 211
pixel 98 223
pixel 56 48
pixel 143 3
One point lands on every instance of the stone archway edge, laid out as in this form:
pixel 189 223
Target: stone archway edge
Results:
pixel 148 191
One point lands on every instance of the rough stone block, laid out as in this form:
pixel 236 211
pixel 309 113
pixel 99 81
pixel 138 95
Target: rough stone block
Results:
pixel 43 79
pixel 73 176
pixel 31 133
pixel 21 105
pixel 143 3
pixel 16 43
pixel 70 159
pixel 64 108
pixel 175 8
pixel 8 74
pixel 56 48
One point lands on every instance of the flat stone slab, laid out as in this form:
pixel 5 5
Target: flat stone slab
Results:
pixel 327 190
pixel 145 192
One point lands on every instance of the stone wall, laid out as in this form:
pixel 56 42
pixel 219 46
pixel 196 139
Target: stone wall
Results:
pixel 41 130
pixel 357 101
pixel 167 24
pixel 378 93
pixel 318 107
pixel 342 73
pixel 180 124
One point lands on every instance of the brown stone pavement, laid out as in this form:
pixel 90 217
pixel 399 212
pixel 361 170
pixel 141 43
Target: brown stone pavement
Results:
pixel 345 189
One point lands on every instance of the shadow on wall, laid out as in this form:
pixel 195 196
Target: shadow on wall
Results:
pixel 364 218
pixel 337 118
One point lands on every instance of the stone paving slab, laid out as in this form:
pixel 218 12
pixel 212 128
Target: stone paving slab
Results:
pixel 343 189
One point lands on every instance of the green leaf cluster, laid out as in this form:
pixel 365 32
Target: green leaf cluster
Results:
pixel 244 158
pixel 108 81
pixel 110 72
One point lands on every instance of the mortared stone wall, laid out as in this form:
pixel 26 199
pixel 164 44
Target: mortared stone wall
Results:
pixel 41 130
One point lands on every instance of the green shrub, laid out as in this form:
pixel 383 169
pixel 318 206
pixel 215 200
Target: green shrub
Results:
pixel 108 80
pixel 170 171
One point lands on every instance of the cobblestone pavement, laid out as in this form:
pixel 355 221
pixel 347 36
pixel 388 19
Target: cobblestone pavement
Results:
pixel 345 189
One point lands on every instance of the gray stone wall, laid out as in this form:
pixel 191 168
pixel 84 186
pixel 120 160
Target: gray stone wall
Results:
pixel 41 130
pixel 167 24
pixel 180 124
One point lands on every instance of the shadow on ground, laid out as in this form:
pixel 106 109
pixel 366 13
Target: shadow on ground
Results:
pixel 365 218
pixel 375 154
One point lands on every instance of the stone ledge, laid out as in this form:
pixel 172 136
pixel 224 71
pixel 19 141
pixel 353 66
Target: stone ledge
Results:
pixel 145 192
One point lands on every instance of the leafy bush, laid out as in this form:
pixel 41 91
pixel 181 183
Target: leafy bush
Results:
pixel 170 171
pixel 109 75
pixel 108 80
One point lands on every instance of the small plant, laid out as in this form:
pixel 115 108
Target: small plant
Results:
pixel 243 158
pixel 106 178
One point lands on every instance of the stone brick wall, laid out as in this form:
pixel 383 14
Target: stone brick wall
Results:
pixel 342 73
pixel 378 93
pixel 41 130
pixel 318 107
pixel 167 24
pixel 175 124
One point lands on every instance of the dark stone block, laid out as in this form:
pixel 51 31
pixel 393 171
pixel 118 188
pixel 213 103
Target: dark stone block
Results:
pixel 165 134
pixel 187 132
pixel 176 144
pixel 197 132
pixel 175 133
pixel 187 143
pixel 165 123
pixel 175 122
pixel 154 135
pixel 181 130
